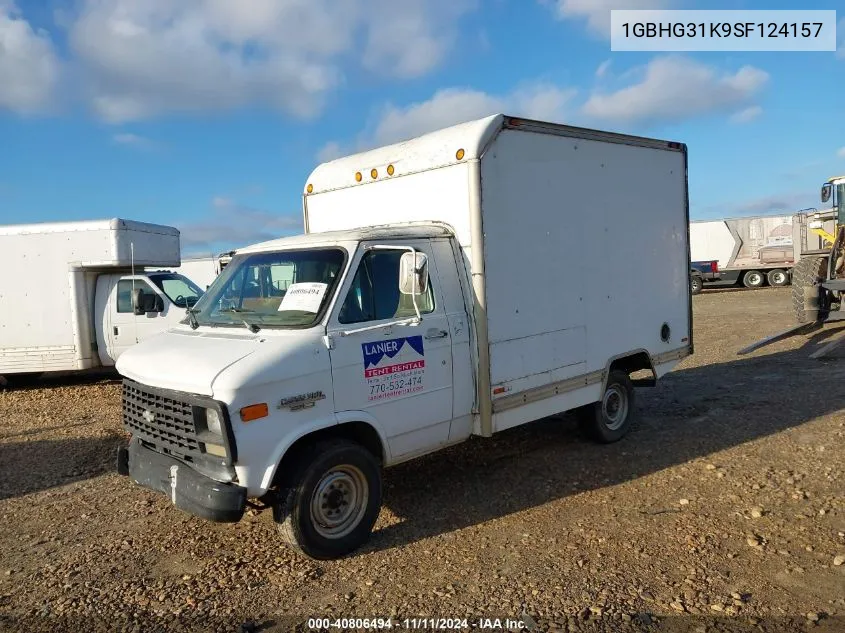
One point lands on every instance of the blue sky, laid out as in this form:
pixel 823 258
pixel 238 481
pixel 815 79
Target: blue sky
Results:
pixel 209 114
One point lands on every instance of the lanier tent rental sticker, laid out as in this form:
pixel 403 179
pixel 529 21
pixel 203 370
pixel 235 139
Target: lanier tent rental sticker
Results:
pixel 395 367
pixel 305 297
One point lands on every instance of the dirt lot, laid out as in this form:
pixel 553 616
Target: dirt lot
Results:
pixel 723 511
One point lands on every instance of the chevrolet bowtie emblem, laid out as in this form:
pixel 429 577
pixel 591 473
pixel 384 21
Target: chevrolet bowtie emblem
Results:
pixel 149 416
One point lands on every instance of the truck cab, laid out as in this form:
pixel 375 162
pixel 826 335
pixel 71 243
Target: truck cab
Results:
pixel 130 308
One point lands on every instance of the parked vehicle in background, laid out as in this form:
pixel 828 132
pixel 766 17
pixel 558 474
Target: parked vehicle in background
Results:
pixel 75 303
pixel 701 271
pixel 755 251
pixel 424 305
pixel 202 270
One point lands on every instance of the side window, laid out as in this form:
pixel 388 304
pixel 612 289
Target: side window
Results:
pixel 374 294
pixel 124 293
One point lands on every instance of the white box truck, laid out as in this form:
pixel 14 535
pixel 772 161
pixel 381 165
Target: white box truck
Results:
pixel 71 301
pixel 446 286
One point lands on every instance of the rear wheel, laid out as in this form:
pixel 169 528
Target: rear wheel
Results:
pixel 333 500
pixel 805 295
pixel 610 419
pixel 753 279
pixel 777 278
pixel 696 284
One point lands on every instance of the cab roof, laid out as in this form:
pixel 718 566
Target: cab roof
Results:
pixel 406 230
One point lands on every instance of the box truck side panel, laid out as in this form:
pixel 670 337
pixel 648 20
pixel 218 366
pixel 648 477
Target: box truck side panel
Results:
pixel 436 193
pixel 568 223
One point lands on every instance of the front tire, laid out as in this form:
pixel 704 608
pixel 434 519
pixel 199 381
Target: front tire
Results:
pixel 805 274
pixel 333 500
pixel 610 419
pixel 753 279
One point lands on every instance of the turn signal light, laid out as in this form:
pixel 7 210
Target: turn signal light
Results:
pixel 254 412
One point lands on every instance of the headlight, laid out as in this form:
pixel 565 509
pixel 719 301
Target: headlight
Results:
pixel 212 422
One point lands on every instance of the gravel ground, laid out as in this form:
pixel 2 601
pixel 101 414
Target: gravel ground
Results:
pixel 722 511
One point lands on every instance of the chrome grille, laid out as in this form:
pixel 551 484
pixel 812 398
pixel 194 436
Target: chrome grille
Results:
pixel 163 421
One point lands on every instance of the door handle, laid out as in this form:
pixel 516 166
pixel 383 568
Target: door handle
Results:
pixel 115 330
pixel 433 333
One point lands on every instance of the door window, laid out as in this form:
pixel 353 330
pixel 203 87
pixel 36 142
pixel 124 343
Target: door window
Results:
pixel 124 293
pixel 374 294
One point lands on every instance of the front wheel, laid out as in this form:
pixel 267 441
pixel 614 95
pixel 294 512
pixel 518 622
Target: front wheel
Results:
pixel 333 501
pixel 753 279
pixel 610 419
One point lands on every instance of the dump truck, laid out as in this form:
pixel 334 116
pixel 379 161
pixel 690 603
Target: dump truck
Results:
pixel 818 278
pixel 446 287
pixel 79 296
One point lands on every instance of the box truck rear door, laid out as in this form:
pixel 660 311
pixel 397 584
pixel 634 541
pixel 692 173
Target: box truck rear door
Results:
pixel 401 375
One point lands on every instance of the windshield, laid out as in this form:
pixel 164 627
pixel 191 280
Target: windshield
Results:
pixel 280 289
pixel 180 290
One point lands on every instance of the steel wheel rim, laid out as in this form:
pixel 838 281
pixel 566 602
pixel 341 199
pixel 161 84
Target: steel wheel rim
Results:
pixel 779 278
pixel 696 284
pixel 755 279
pixel 614 407
pixel 339 501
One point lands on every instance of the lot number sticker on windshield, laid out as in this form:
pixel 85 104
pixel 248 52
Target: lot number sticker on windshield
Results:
pixel 395 367
pixel 304 297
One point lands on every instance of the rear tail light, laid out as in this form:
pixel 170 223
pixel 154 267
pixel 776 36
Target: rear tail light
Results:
pixel 714 267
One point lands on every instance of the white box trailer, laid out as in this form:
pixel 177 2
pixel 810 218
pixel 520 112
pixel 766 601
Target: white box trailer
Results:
pixel 68 303
pixel 755 250
pixel 447 286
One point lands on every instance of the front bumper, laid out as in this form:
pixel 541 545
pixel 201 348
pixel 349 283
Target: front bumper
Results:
pixel 187 489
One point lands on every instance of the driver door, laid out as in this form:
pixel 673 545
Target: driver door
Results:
pixel 401 375
pixel 125 327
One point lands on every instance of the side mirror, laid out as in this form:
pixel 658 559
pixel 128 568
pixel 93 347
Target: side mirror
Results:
pixel 137 301
pixel 413 273
pixel 827 189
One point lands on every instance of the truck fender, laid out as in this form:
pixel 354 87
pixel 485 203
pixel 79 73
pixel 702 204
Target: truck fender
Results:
pixel 630 362
pixel 315 427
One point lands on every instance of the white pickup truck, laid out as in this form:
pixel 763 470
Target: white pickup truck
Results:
pixel 77 295
pixel 446 286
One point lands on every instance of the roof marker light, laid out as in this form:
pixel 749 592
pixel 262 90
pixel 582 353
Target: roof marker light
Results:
pixel 390 170
pixel 310 188
pixel 358 176
pixel 459 154
pixel 374 173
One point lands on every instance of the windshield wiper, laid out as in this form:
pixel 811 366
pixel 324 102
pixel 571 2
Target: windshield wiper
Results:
pixel 252 327
pixel 192 317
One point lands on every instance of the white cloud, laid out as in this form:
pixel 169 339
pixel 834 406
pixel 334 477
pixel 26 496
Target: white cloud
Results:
pixel 747 115
pixel 141 59
pixel 329 151
pixel 29 67
pixel 401 40
pixel 601 71
pixel 133 140
pixel 676 88
pixel 233 225
pixel 454 105
pixel 597 12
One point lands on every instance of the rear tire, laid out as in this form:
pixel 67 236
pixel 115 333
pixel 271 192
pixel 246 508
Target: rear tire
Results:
pixel 805 274
pixel 753 279
pixel 610 419
pixel 696 284
pixel 777 278
pixel 333 500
